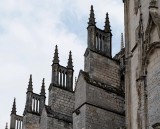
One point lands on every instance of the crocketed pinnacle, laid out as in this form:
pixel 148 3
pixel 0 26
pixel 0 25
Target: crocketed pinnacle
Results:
pixel 70 63
pixel 6 126
pixel 43 88
pixel 91 18
pixel 122 42
pixel 30 86
pixel 56 58
pixel 107 27
pixel 14 107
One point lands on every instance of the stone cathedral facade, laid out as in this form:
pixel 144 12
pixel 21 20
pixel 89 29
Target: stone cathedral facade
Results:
pixel 142 68
pixel 120 92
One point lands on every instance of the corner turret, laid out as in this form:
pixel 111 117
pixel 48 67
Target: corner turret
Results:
pixel 99 41
pixel 62 77
pixel 61 94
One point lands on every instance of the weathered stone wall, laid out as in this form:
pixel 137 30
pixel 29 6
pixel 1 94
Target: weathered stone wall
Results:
pixel 136 22
pixel 80 91
pixel 101 98
pixel 153 88
pixel 43 120
pixel 91 117
pixel 31 121
pixel 49 121
pixel 101 119
pixel 97 95
pixel 57 124
pixel 103 69
pixel 79 119
pixel 61 101
pixel 100 102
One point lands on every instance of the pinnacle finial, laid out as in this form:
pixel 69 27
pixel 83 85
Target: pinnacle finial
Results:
pixel 30 86
pixel 14 107
pixel 70 63
pixel 56 58
pixel 43 88
pixel 122 42
pixel 91 18
pixel 107 27
pixel 6 126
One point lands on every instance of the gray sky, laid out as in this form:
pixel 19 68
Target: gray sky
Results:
pixel 29 31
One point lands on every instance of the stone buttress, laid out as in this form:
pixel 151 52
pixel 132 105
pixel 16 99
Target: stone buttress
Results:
pixel 58 113
pixel 99 98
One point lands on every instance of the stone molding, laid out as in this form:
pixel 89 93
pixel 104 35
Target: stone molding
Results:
pixel 104 86
pixel 156 126
pixel 57 115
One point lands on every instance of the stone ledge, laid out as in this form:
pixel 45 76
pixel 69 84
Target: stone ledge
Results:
pixel 109 110
pixel 106 87
pixel 57 115
pixel 63 88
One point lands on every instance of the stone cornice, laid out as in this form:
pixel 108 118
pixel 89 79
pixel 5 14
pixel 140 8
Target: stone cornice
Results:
pixel 58 115
pixel 106 87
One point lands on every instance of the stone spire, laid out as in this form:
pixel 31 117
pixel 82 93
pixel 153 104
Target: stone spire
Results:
pixel 14 107
pixel 70 63
pixel 91 18
pixel 30 86
pixel 122 42
pixel 43 88
pixel 107 27
pixel 6 126
pixel 56 58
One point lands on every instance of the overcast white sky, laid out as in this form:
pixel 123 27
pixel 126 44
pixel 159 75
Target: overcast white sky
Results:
pixel 29 31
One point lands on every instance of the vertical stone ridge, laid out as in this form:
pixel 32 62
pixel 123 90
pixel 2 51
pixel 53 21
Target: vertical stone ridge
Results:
pixel 75 81
pixel 91 18
pixel 70 63
pixel 56 58
pixel 30 86
pixel 122 41
pixel 14 107
pixel 107 27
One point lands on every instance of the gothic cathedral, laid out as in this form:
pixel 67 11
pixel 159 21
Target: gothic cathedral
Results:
pixel 120 92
